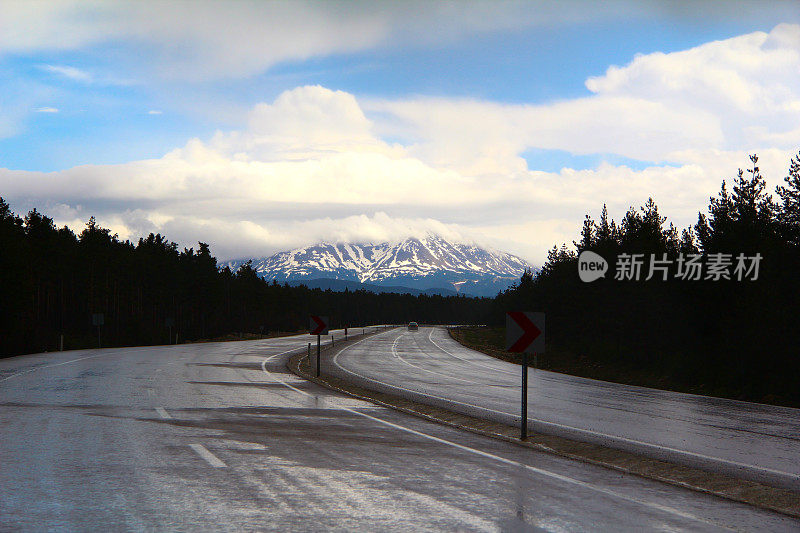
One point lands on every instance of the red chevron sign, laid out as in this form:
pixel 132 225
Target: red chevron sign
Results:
pixel 318 325
pixel 524 332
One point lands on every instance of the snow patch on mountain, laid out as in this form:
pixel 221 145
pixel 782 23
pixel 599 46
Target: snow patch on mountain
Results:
pixel 420 263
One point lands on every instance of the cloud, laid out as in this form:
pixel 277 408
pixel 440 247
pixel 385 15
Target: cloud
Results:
pixel 254 240
pixel 488 138
pixel 47 110
pixel 740 94
pixel 307 168
pixel 154 112
pixel 300 121
pixel 208 40
pixel 749 83
pixel 293 177
pixel 314 164
pixel 71 73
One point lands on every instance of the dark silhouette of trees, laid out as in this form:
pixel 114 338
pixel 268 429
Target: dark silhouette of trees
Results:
pixel 52 281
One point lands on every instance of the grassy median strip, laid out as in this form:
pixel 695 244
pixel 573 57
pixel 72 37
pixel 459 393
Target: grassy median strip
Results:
pixel 781 500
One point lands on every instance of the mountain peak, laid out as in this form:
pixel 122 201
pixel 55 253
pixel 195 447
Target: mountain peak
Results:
pixel 423 262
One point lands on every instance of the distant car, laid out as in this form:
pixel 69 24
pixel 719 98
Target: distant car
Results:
pixel 413 326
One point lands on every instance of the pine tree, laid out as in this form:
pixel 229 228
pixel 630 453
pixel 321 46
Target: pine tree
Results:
pixel 711 230
pixel 753 207
pixel 587 235
pixel 790 201
pixel 603 230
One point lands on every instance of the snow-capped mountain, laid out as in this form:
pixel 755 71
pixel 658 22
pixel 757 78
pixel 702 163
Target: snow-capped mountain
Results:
pixel 419 263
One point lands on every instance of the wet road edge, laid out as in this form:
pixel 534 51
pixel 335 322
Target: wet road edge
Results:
pixel 759 495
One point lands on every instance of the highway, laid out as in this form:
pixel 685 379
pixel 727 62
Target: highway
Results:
pixel 221 437
pixel 748 440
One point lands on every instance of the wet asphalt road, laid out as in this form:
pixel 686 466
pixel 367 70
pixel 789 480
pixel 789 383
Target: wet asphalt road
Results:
pixel 753 441
pixel 220 436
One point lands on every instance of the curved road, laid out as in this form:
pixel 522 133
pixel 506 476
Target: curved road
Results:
pixel 220 436
pixel 753 441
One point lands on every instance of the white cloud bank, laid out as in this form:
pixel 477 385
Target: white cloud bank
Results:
pixel 738 94
pixel 315 165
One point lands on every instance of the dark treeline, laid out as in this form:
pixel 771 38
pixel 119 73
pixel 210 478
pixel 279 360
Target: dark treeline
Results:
pixel 730 337
pixel 52 282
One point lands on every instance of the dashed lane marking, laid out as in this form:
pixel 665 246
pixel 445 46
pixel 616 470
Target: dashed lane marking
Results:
pixel 210 458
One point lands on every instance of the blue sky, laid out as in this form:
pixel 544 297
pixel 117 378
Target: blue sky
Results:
pixel 113 85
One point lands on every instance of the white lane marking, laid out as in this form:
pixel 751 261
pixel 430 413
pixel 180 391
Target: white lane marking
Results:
pixel 396 354
pixel 264 362
pixel 657 447
pixel 541 471
pixel 163 413
pixel 210 458
pixel 493 368
pixel 50 366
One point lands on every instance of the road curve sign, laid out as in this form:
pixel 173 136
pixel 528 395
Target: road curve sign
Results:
pixel 318 325
pixel 524 332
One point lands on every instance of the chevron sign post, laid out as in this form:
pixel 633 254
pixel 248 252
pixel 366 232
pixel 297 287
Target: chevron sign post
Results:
pixel 524 334
pixel 318 325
